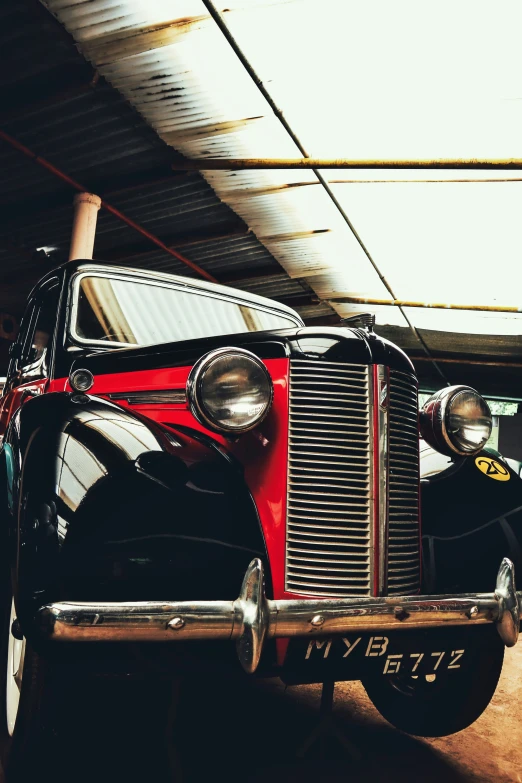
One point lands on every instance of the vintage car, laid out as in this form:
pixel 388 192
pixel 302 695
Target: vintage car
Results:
pixel 184 465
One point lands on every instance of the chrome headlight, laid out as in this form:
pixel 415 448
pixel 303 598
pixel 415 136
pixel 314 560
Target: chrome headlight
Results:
pixel 230 390
pixel 456 420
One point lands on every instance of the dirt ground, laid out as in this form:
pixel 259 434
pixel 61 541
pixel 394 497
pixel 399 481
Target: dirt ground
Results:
pixel 250 731
pixel 272 722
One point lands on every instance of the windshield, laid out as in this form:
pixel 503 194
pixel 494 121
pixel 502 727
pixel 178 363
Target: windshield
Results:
pixel 131 312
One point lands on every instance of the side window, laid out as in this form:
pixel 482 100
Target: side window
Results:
pixel 33 362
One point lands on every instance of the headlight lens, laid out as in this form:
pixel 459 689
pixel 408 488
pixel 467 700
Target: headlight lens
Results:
pixel 469 421
pixel 81 380
pixel 456 420
pixel 230 390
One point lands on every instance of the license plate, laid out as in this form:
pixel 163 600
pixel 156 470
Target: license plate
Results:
pixel 355 656
pixel 391 662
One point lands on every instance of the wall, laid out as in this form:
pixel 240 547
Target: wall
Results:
pixel 510 436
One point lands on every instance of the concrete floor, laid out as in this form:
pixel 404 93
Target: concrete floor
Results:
pixel 249 731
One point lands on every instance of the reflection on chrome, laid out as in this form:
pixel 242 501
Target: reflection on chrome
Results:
pixel 252 618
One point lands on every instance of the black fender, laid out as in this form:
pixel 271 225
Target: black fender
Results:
pixel 104 504
pixel 470 520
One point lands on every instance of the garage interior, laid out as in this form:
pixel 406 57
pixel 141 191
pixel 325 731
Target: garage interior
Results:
pixel 122 99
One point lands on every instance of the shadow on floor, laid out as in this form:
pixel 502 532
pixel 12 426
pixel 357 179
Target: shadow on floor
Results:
pixel 241 730
pixel 254 731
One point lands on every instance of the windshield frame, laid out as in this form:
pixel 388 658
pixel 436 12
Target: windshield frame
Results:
pixel 195 290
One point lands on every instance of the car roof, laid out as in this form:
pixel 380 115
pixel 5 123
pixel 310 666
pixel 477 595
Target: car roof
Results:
pixel 86 265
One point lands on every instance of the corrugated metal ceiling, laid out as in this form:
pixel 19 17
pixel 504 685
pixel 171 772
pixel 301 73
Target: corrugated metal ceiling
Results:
pixel 183 77
pixel 214 80
pixel 57 104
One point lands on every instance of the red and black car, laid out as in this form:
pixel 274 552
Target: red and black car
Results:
pixel 184 464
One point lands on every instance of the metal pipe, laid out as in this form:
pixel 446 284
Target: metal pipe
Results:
pixel 116 212
pixel 239 164
pixel 423 180
pixel 480 362
pixel 86 206
pixel 432 305
pixel 252 618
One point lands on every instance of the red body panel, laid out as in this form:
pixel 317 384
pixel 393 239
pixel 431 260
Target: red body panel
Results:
pixel 264 455
pixel 10 402
pixel 263 452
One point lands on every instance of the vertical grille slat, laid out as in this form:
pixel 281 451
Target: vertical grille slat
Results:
pixel 403 486
pixel 328 506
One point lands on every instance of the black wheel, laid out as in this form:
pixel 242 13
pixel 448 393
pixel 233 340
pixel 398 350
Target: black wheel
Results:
pixel 435 705
pixel 29 695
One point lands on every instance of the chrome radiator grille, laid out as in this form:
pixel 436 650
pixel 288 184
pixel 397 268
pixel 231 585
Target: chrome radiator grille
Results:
pixel 329 517
pixel 403 485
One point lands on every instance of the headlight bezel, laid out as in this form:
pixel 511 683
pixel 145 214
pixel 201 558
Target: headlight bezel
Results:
pixel 434 421
pixel 194 390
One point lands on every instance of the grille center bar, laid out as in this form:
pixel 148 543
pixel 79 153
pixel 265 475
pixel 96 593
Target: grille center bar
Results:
pixel 381 405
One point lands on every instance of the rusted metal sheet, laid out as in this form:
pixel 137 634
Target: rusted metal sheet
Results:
pixel 52 169
pixel 85 127
pixel 192 90
pixel 133 41
pixel 181 74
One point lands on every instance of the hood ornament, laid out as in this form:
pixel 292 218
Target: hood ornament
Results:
pixel 360 321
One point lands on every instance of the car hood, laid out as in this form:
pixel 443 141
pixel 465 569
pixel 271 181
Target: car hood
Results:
pixel 329 344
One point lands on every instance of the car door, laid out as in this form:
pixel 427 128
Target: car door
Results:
pixel 31 353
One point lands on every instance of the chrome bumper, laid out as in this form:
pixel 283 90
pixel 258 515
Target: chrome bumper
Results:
pixel 252 617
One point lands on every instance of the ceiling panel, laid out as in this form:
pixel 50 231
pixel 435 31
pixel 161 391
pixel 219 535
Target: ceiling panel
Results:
pixel 379 80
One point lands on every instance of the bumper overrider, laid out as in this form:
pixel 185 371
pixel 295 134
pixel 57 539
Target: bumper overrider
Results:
pixel 252 618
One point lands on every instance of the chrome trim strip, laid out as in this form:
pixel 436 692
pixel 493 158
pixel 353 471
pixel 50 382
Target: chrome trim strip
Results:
pixel 160 397
pixel 252 618
pixel 381 401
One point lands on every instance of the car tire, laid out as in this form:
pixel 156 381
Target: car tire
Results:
pixel 27 721
pixel 428 707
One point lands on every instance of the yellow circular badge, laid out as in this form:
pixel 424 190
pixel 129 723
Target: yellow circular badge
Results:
pixel 493 468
